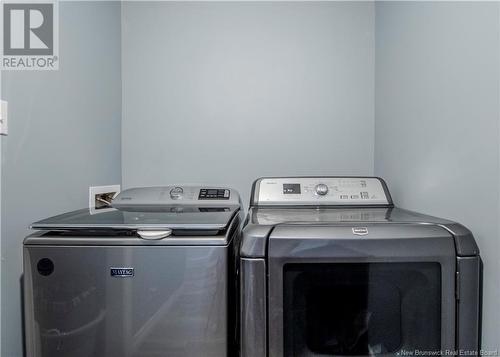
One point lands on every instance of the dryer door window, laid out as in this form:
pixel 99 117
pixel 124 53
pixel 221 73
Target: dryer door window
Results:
pixel 361 309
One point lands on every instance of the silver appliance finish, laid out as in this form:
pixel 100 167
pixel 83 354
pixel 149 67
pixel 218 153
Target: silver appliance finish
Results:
pixel 96 287
pixel 308 229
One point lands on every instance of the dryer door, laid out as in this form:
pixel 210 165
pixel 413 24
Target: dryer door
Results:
pixel 382 289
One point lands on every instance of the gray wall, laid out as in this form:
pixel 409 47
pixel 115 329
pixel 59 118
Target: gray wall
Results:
pixel 225 92
pixel 1 165
pixel 437 121
pixel 64 136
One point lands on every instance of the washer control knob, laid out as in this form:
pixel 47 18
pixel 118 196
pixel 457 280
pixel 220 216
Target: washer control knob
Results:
pixel 176 193
pixel 321 189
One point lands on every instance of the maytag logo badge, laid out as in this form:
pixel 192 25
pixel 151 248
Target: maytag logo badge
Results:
pixel 122 272
pixel 29 39
pixel 360 231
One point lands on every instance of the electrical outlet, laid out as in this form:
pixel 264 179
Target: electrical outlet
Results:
pixel 4 129
pixel 101 197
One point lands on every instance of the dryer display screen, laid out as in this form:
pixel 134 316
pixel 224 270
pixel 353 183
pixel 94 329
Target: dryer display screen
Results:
pixel 291 188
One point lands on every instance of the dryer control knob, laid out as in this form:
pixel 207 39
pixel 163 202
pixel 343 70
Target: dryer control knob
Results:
pixel 321 189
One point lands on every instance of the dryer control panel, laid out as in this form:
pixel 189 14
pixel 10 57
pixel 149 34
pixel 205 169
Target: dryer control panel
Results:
pixel 333 191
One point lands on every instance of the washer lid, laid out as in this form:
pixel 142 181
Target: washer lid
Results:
pixel 198 208
pixel 166 217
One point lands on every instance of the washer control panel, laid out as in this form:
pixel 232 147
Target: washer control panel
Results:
pixel 176 195
pixel 335 191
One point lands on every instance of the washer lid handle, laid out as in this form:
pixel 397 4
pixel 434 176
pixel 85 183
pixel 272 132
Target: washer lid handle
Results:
pixel 151 235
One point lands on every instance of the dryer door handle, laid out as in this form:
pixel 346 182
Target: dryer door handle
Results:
pixel 153 235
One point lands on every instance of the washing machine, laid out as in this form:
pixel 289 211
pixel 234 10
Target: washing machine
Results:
pixel 330 267
pixel 151 276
